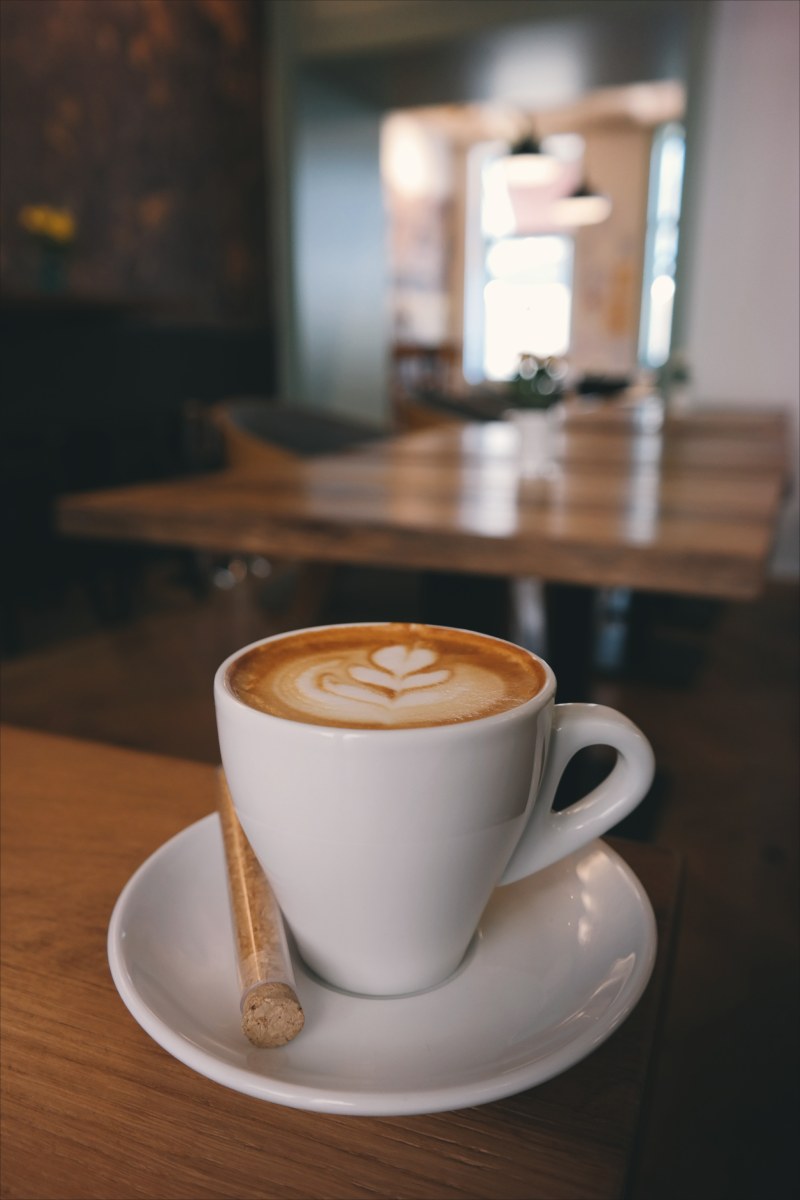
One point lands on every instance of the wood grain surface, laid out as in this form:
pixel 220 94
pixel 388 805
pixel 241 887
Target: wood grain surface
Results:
pixel 688 505
pixel 93 1108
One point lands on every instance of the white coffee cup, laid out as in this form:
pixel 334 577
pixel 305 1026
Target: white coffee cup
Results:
pixel 384 845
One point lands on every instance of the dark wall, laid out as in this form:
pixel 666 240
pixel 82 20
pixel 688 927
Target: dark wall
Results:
pixel 144 119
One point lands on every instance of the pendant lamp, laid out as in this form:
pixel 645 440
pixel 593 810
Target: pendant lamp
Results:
pixel 583 207
pixel 527 165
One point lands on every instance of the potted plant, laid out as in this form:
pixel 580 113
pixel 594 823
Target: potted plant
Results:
pixel 53 230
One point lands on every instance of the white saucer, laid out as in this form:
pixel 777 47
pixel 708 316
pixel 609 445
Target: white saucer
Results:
pixel 559 961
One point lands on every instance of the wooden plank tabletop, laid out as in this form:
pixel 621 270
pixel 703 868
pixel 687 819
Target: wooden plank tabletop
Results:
pixel 93 1108
pixel 688 506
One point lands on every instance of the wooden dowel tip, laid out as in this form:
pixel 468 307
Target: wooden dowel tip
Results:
pixel 271 1014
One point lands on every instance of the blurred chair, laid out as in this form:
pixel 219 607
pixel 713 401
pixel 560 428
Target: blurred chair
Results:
pixel 416 366
pixel 258 434
pixel 428 388
pixel 418 371
pixel 259 431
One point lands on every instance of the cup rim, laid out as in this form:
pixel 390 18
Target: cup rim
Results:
pixel 222 690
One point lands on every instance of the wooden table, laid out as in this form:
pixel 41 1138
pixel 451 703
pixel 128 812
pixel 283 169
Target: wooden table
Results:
pixel 93 1108
pixel 688 506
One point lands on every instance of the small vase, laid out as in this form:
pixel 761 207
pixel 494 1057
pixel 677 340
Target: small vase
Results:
pixel 536 429
pixel 52 270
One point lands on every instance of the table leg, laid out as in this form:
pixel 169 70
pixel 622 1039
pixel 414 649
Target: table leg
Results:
pixel 484 603
pixel 479 602
pixel 570 616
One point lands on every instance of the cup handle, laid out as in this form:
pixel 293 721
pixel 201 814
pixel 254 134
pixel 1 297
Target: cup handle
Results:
pixel 549 836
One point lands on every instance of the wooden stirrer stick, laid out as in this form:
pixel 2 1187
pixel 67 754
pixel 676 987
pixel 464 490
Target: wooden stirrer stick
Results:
pixel 271 1012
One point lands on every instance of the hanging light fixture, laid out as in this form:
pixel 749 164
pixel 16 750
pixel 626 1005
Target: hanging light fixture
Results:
pixel 584 206
pixel 524 178
pixel 527 165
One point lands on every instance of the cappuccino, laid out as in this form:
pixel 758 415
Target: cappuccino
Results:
pixel 385 676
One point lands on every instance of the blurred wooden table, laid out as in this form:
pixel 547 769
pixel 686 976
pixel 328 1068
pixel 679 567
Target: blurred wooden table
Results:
pixel 688 506
pixel 93 1108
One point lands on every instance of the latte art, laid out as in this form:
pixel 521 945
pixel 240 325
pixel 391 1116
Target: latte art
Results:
pixel 393 681
pixel 385 676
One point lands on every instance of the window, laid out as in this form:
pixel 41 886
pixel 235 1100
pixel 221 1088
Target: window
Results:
pixel 661 245
pixel 518 290
pixel 527 301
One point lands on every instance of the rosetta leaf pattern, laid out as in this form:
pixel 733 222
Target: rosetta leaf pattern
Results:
pixel 394 671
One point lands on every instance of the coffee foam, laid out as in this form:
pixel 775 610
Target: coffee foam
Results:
pixel 392 676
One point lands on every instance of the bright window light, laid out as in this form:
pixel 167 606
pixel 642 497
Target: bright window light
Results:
pixel 523 318
pixel 661 245
pixel 662 295
pixel 527 302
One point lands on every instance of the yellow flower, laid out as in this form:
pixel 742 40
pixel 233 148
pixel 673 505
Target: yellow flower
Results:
pixel 52 224
pixel 33 218
pixel 62 226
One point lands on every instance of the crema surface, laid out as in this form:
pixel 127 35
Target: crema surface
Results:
pixel 392 676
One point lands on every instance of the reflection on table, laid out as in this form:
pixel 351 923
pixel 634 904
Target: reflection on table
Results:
pixel 687 504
